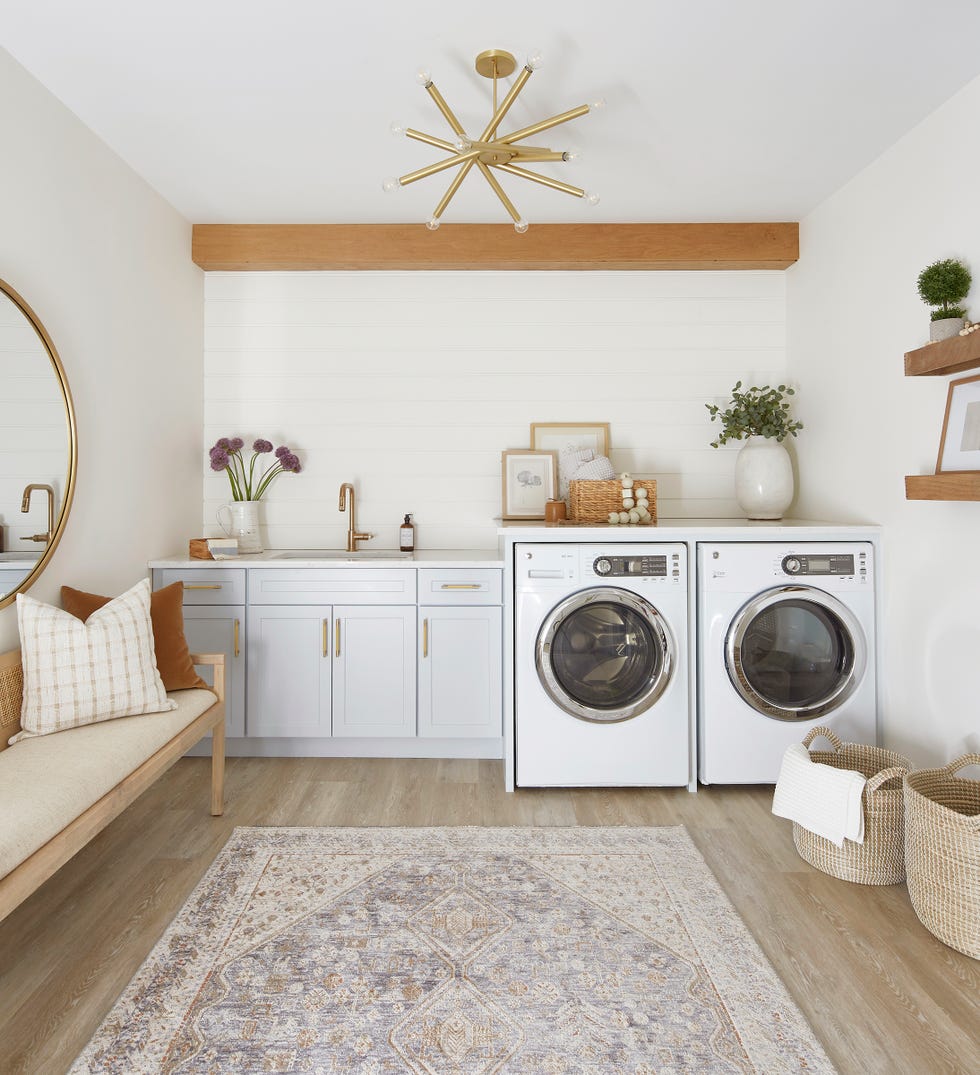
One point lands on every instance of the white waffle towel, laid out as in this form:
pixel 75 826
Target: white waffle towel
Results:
pixel 824 800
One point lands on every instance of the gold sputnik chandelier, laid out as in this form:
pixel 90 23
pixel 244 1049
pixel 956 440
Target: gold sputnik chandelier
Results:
pixel 492 151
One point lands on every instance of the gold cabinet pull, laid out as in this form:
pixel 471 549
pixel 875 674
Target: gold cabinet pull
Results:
pixel 237 625
pixel 337 635
pixel 425 637
pixel 460 586
pixel 202 585
pixel 324 646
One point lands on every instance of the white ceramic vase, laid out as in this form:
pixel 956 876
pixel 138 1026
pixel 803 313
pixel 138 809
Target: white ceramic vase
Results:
pixel 944 328
pixel 763 478
pixel 243 524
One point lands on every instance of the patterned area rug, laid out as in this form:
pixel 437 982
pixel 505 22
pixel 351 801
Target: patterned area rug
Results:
pixel 456 951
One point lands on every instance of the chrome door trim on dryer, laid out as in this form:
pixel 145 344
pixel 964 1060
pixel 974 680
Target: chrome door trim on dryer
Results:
pixel 851 663
pixel 657 651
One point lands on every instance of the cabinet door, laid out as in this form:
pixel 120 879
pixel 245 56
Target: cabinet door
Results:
pixel 374 670
pixel 460 672
pixel 220 629
pixel 289 671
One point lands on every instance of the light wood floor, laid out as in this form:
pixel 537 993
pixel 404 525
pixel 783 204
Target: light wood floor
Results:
pixel 882 994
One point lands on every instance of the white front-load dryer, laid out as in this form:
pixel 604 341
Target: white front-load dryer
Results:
pixel 601 665
pixel 786 642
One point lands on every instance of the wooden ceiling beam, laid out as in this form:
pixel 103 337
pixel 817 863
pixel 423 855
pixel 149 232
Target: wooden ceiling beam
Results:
pixel 631 247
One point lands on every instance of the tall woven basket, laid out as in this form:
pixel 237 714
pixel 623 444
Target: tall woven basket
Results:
pixel 880 860
pixel 942 850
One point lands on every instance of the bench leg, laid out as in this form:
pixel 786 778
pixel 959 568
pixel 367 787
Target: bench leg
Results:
pixel 218 770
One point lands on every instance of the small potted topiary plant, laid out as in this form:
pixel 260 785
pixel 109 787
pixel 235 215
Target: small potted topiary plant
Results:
pixel 763 472
pixel 944 285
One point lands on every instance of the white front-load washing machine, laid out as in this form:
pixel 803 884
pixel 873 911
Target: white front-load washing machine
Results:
pixel 601 665
pixel 786 642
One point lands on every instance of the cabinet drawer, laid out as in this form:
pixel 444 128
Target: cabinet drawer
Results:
pixel 458 586
pixel 208 586
pixel 332 585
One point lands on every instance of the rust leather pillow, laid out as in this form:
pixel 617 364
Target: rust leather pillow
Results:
pixel 167 618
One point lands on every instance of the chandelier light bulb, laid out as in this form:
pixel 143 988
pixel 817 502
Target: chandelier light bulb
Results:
pixel 461 145
pixel 534 60
pixel 520 226
pixel 390 184
pixel 591 198
pixel 433 224
pixel 397 128
pixel 597 104
pixel 423 78
pixel 573 153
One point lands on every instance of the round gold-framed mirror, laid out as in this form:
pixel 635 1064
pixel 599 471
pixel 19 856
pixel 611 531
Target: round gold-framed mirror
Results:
pixel 38 446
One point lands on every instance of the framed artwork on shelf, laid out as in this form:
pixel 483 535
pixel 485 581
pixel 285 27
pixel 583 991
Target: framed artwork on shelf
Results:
pixel 529 479
pixel 557 436
pixel 959 446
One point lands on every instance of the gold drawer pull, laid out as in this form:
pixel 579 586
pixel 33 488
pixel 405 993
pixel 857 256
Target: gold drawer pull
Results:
pixel 460 586
pixel 203 585
pixel 236 636
pixel 324 637
pixel 337 633
pixel 425 637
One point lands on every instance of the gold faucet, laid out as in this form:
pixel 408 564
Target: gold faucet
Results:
pixel 353 537
pixel 25 505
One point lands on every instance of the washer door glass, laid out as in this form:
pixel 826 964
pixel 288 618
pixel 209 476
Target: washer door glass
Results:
pixel 604 655
pixel 795 653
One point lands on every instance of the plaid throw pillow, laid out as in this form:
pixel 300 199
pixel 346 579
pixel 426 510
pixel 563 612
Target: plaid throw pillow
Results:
pixel 79 673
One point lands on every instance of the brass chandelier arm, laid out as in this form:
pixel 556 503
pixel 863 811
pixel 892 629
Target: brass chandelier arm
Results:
pixel 546 181
pixel 499 191
pixel 453 187
pixel 537 156
pixel 505 104
pixel 445 109
pixel 431 169
pixel 545 124
pixel 430 139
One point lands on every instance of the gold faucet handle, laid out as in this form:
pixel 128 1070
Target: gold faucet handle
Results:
pixel 37 537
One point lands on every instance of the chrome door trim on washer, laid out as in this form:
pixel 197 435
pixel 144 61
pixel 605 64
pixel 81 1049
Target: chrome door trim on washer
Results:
pixel 656 682
pixel 856 655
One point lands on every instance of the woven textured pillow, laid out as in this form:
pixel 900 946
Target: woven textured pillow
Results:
pixel 167 617
pixel 80 673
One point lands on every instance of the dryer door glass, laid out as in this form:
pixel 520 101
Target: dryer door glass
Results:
pixel 604 655
pixel 794 657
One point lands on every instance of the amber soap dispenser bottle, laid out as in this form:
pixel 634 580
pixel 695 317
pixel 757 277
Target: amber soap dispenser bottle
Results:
pixel 406 535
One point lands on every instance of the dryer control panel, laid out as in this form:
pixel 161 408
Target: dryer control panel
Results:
pixel 830 564
pixel 613 567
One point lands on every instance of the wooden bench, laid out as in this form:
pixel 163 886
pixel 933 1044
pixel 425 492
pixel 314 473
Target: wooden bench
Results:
pixel 53 767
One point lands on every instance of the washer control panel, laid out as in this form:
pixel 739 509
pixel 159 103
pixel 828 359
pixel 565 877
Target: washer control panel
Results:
pixel 831 564
pixel 612 567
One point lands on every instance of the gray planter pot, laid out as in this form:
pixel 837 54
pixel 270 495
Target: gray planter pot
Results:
pixel 943 329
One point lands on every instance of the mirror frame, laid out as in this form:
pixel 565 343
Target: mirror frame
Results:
pixel 59 372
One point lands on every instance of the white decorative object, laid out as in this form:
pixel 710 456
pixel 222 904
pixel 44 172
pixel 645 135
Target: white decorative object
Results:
pixel 243 524
pixel 624 516
pixel 595 470
pixel 80 672
pixel 763 478
pixel 614 517
pixel 944 328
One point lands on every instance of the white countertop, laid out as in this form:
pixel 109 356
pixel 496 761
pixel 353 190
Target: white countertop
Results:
pixel 685 530
pixel 440 558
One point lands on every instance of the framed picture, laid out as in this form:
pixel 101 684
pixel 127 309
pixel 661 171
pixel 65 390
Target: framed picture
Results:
pixel 529 481
pixel 959 447
pixel 557 436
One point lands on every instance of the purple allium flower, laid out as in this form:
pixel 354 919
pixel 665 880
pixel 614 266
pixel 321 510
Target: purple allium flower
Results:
pixel 280 452
pixel 291 463
pixel 262 446
pixel 237 444
pixel 219 459
pixel 223 442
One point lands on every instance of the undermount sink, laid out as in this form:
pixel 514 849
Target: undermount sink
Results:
pixel 340 554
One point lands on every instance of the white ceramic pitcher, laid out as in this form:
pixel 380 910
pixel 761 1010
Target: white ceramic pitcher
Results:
pixel 242 523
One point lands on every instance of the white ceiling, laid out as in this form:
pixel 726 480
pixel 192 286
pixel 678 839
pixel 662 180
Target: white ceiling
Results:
pixel 250 111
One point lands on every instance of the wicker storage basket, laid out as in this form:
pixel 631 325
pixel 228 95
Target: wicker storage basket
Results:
pixel 592 501
pixel 880 860
pixel 942 852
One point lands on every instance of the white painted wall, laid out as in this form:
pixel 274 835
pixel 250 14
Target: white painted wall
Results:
pixel 105 264
pixel 411 384
pixel 853 310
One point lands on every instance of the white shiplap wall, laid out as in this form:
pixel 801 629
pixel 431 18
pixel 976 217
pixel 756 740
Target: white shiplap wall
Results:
pixel 410 384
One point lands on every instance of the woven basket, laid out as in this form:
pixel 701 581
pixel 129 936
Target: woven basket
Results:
pixel 942 852
pixel 11 692
pixel 880 860
pixel 592 501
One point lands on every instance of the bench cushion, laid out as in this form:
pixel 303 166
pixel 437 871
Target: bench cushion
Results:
pixel 47 781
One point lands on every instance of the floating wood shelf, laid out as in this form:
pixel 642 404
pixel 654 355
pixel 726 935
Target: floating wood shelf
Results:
pixel 961 485
pixel 955 355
